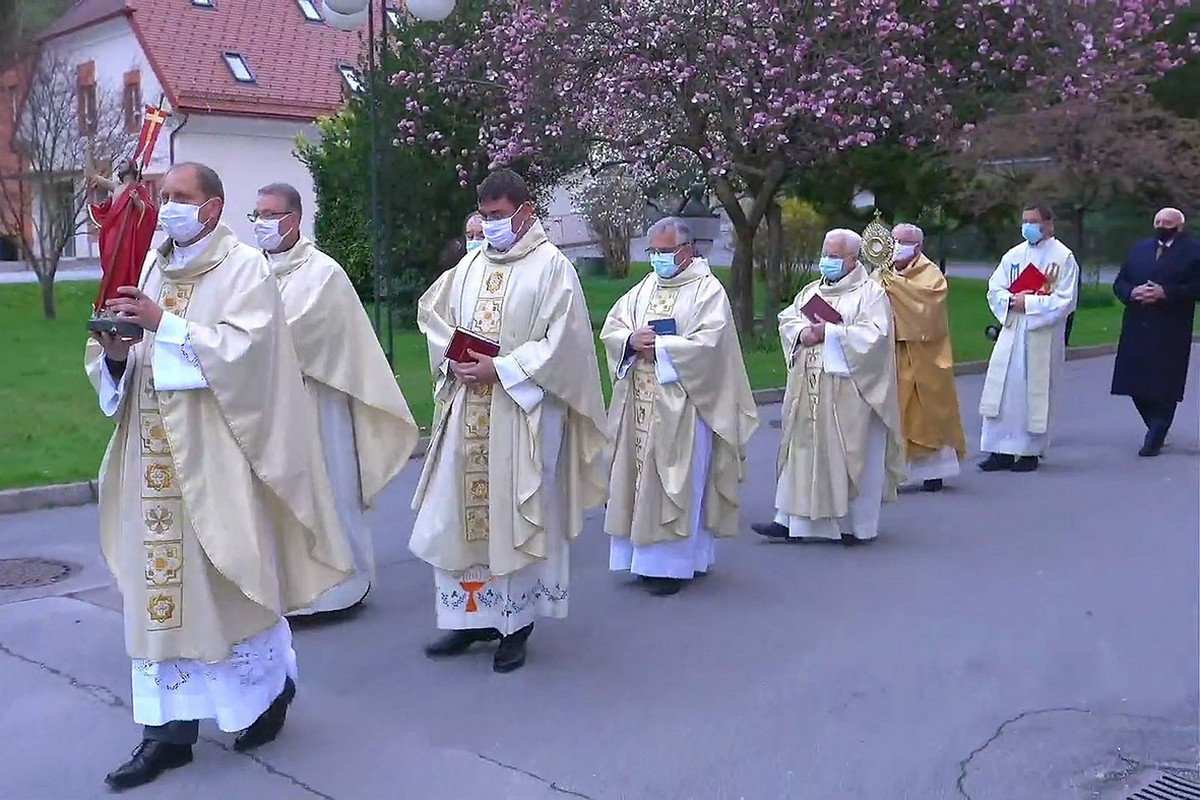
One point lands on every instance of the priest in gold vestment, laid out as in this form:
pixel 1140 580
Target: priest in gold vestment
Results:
pixel 214 509
pixel 681 417
pixel 516 453
pixel 841 454
pixel 367 430
pixel 934 443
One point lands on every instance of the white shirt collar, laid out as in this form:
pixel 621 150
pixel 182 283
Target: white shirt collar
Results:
pixel 182 255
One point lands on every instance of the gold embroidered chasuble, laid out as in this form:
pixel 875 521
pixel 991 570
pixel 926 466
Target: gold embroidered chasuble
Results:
pixel 924 361
pixel 337 347
pixel 215 516
pixel 530 301
pixel 825 417
pixel 652 427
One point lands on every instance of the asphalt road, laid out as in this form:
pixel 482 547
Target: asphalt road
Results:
pixel 1016 637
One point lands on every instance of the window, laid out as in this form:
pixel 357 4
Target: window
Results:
pixel 309 10
pixel 238 66
pixel 203 3
pixel 350 75
pixel 131 101
pixel 85 97
pixel 394 17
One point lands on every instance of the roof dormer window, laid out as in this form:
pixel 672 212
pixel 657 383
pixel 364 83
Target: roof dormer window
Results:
pixel 351 77
pixel 309 10
pixel 203 3
pixel 238 66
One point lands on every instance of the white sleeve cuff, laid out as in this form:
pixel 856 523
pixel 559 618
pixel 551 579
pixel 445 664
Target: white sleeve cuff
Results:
pixel 664 369
pixel 627 362
pixel 521 388
pixel 113 392
pixel 832 353
pixel 175 365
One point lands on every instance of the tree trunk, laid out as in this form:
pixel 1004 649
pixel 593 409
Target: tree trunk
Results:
pixel 775 283
pixel 742 288
pixel 1081 250
pixel 47 284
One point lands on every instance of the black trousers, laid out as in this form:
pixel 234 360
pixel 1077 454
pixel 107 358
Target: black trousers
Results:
pixel 185 731
pixel 1158 416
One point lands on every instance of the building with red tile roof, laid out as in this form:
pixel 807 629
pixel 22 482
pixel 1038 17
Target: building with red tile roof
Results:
pixel 241 80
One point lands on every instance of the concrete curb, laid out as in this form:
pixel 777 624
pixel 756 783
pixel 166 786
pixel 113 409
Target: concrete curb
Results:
pixel 63 495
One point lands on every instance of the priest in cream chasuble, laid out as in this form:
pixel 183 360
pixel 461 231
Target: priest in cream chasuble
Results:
pixel 516 453
pixel 367 430
pixel 682 414
pixel 215 514
pixel 841 453
pixel 934 443
pixel 1017 404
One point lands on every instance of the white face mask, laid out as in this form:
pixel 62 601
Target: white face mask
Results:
pixel 181 221
pixel 266 232
pixel 905 252
pixel 499 232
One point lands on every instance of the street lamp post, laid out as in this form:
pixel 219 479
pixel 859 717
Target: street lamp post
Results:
pixel 351 15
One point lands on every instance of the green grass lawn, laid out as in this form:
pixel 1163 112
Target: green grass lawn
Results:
pixel 54 431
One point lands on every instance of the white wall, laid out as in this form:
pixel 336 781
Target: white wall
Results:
pixel 248 153
pixel 115 50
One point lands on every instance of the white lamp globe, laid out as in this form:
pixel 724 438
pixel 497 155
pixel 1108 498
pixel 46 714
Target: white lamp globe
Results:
pixel 863 200
pixel 343 22
pixel 430 10
pixel 347 6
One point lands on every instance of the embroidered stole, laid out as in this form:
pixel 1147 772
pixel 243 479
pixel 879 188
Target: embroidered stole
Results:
pixel 162 497
pixel 645 384
pixel 488 312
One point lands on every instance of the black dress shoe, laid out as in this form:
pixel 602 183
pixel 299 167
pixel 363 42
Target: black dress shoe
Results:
pixel 510 655
pixel 663 587
pixel 455 643
pixel 1149 450
pixel 771 530
pixel 850 540
pixel 1025 464
pixel 934 485
pixel 997 462
pixel 150 759
pixel 269 723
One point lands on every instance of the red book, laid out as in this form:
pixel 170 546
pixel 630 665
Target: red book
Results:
pixel 464 340
pixel 1031 279
pixel 817 310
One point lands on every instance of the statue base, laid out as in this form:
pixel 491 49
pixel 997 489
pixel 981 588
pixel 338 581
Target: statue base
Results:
pixel 121 328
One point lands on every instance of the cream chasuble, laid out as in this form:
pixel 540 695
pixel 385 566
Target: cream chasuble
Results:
pixel 933 435
pixel 367 430
pixel 513 466
pixel 679 426
pixel 1017 401
pixel 841 445
pixel 215 512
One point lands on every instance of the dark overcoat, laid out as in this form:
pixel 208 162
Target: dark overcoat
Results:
pixel 1156 338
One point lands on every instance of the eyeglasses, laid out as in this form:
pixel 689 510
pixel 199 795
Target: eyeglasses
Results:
pixel 254 216
pixel 662 251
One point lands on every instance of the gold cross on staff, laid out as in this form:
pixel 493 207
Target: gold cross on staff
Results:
pixel 155 116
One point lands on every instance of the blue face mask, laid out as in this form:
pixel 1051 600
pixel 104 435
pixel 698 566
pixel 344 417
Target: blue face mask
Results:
pixel 475 244
pixel 831 268
pixel 664 264
pixel 1032 232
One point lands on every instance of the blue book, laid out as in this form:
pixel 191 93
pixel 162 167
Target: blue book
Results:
pixel 664 327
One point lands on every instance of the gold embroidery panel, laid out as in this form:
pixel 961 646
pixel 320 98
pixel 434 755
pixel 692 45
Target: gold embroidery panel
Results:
pixel 477 413
pixel 813 366
pixel 162 503
pixel 645 385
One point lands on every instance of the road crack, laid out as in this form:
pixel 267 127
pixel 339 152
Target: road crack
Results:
pixel 113 700
pixel 552 784
pixel 965 764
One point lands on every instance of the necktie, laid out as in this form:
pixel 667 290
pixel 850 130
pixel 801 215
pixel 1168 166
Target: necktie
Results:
pixel 1159 251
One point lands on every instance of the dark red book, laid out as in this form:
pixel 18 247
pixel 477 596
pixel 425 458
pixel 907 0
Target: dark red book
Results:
pixel 464 340
pixel 817 310
pixel 1031 279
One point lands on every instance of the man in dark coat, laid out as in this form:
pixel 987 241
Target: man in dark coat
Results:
pixel 1159 283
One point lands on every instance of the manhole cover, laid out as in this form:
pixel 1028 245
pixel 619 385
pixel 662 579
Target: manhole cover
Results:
pixel 1168 787
pixel 30 573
